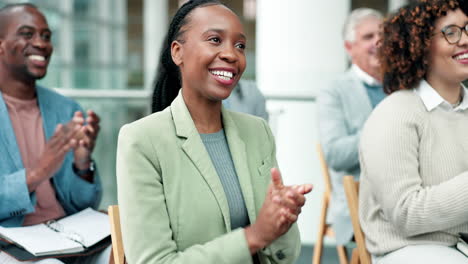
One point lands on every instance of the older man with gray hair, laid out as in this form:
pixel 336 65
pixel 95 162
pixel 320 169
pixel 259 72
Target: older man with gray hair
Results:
pixel 343 108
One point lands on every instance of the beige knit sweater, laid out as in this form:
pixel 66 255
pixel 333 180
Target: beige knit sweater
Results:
pixel 414 175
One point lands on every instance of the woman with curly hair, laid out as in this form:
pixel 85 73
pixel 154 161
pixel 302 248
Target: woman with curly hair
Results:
pixel 414 146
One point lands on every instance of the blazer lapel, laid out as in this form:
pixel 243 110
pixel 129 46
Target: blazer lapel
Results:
pixel 7 136
pixel 196 151
pixel 239 157
pixel 49 116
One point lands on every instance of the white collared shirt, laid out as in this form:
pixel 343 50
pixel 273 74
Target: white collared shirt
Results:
pixel 432 99
pixel 364 76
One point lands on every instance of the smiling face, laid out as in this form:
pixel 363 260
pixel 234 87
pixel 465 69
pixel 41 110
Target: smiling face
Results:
pixel 210 53
pixel 449 62
pixel 363 50
pixel 25 43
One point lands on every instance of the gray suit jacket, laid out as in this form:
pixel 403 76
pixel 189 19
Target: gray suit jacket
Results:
pixel 343 109
pixel 247 98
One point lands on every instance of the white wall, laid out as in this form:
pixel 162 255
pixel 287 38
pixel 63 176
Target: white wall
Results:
pixel 155 29
pixel 299 50
pixel 393 5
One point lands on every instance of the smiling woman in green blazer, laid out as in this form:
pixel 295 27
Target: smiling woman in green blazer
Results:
pixel 194 178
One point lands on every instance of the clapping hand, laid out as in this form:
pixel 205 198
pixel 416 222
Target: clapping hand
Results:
pixel 86 138
pixel 73 135
pixel 279 211
pixel 55 150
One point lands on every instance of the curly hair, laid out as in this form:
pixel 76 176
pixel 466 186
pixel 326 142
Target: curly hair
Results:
pixel 464 6
pixel 406 40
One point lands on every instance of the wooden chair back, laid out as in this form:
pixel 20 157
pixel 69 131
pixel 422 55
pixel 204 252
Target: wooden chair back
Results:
pixel 116 235
pixel 360 254
pixel 324 229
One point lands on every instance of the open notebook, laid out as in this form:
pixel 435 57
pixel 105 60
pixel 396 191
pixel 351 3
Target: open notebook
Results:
pixel 71 234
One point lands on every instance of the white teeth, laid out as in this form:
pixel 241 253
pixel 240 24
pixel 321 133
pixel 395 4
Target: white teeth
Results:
pixel 37 57
pixel 225 75
pixel 462 56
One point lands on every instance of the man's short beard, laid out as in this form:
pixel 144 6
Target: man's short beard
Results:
pixel 25 74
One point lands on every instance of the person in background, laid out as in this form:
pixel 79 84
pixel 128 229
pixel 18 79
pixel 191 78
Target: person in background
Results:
pixel 46 141
pixel 196 182
pixel 247 98
pixel 344 107
pixel 412 195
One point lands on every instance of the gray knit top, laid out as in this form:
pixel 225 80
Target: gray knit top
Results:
pixel 218 149
pixel 414 174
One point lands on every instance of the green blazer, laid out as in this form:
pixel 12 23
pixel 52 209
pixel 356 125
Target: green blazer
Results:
pixel 172 203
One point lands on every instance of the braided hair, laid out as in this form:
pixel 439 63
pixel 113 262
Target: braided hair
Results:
pixel 168 79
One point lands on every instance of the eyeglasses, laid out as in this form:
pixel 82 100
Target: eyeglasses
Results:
pixel 453 33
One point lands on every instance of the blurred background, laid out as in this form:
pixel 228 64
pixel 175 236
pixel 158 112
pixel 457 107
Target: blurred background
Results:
pixel 106 53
